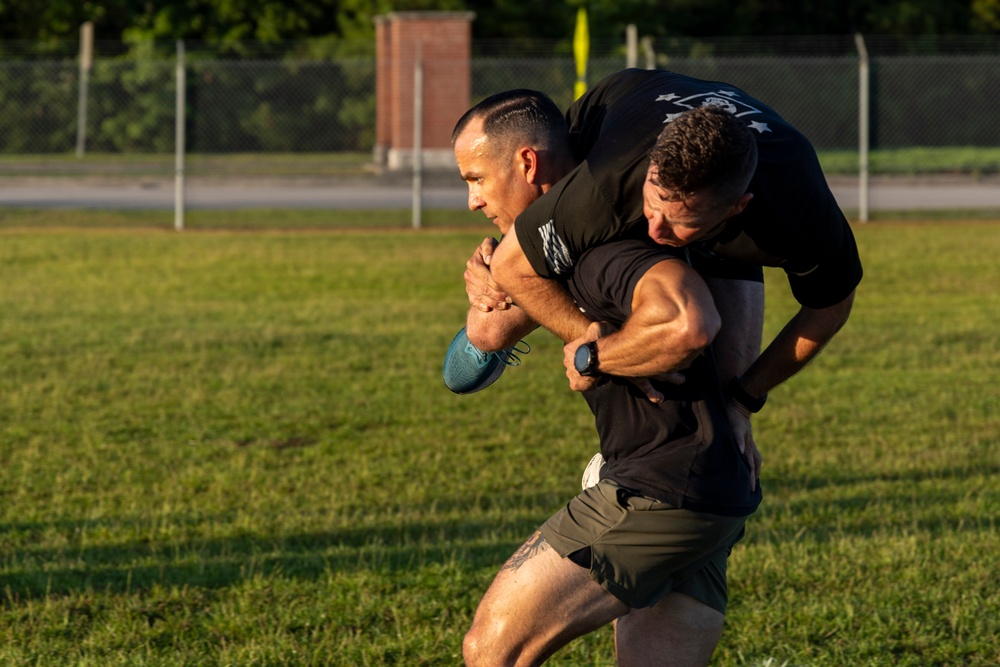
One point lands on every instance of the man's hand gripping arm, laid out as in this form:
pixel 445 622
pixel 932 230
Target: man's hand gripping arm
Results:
pixel 492 323
pixel 546 301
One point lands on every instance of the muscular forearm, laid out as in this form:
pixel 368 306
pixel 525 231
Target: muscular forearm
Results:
pixel 545 301
pixel 497 329
pixel 548 303
pixel 673 319
pixel 634 352
pixel 797 344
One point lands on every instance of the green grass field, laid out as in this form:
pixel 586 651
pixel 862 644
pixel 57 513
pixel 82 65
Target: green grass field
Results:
pixel 236 449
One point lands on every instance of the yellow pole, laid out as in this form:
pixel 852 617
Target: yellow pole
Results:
pixel 581 51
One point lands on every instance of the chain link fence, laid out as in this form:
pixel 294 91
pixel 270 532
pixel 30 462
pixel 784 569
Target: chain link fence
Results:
pixel 242 106
pixel 313 116
pixel 817 95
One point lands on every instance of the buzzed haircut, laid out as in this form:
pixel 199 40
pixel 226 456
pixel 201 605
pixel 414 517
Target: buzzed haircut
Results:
pixel 519 115
pixel 706 149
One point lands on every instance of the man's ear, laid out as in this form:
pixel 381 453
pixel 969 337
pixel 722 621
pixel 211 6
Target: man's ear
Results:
pixel 741 204
pixel 527 164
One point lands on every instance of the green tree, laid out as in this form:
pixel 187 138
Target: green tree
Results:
pixel 227 23
pixel 986 16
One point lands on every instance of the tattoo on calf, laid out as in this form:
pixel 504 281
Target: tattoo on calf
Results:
pixel 536 544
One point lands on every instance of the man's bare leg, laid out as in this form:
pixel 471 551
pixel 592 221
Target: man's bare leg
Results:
pixel 678 631
pixel 537 603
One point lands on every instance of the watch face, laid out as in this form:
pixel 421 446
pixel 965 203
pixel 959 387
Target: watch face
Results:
pixel 581 360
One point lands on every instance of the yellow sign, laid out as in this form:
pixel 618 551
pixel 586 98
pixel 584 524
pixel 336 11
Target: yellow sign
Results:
pixel 581 51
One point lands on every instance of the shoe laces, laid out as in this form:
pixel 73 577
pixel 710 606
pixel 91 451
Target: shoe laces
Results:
pixel 509 356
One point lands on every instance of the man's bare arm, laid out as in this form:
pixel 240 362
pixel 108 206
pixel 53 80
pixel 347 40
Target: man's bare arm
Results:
pixel 545 301
pixel 673 319
pixel 496 327
pixel 796 345
pixel 496 330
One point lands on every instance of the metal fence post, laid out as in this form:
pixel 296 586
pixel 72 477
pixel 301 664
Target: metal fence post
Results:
pixel 631 45
pixel 179 140
pixel 418 136
pixel 647 48
pixel 863 126
pixel 86 60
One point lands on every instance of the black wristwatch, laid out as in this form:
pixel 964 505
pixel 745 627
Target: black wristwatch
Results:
pixel 585 359
pixel 739 395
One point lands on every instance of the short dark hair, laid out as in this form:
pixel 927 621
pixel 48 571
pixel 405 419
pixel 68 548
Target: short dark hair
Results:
pixel 705 149
pixel 519 115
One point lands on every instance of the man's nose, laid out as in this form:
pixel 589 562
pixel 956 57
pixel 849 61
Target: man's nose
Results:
pixel 658 227
pixel 475 201
pixel 655 220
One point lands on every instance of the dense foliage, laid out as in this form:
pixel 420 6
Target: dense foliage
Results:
pixel 298 75
pixel 229 22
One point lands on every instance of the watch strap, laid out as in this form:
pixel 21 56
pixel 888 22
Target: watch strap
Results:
pixel 739 395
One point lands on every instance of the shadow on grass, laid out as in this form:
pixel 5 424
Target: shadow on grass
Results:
pixel 391 548
pixel 398 548
pixel 843 479
pixel 927 502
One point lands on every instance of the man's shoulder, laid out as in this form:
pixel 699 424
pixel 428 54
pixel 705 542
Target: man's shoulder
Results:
pixel 629 251
pixel 607 268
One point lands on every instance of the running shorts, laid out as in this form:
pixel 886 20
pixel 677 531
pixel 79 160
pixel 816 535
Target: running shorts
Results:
pixel 640 549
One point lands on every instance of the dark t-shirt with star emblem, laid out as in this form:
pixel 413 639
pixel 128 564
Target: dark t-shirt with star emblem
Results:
pixel 793 220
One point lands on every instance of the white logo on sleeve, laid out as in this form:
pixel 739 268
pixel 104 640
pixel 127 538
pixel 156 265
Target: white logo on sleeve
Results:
pixel 556 252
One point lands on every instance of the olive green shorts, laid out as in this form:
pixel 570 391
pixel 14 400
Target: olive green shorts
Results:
pixel 640 549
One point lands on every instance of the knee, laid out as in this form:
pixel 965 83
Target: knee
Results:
pixel 475 648
pixel 471 649
pixel 483 647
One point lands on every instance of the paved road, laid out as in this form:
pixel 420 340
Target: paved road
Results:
pixel 896 194
pixel 152 195
pixel 907 194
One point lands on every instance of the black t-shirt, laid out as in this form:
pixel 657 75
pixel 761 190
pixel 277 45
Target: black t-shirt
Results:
pixel 681 451
pixel 793 220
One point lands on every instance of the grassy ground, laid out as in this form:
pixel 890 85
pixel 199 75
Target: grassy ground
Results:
pixel 325 220
pixel 236 449
pixel 235 220
pixel 918 160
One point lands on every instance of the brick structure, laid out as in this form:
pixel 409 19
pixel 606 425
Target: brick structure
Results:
pixel 442 41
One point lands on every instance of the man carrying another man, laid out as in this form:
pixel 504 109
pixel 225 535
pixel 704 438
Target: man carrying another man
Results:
pixel 674 466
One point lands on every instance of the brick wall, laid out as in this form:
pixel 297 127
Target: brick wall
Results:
pixel 442 42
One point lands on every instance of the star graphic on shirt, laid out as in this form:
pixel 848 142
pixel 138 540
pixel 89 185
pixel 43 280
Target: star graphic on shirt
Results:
pixel 669 97
pixel 727 93
pixel 670 116
pixel 760 127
